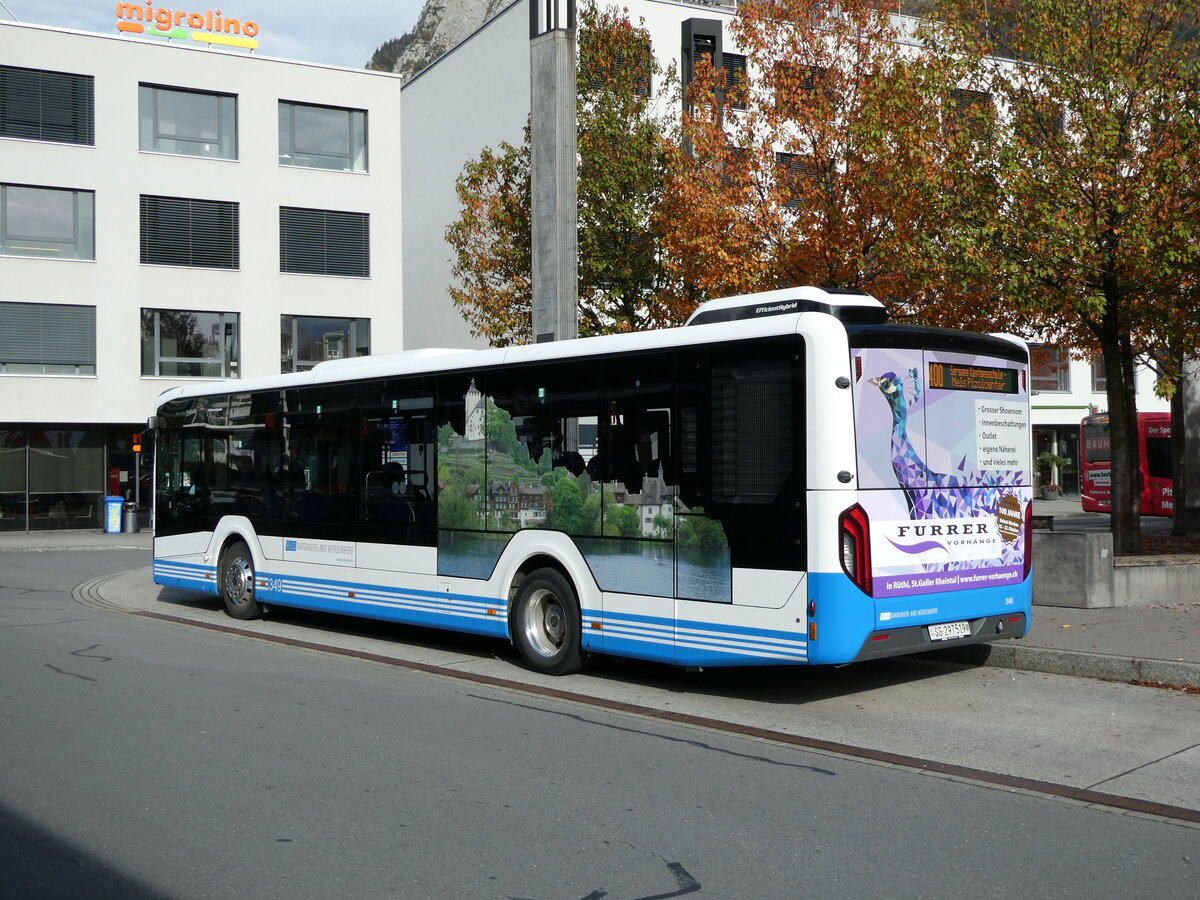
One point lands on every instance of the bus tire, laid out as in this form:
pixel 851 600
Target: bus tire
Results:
pixel 236 582
pixel 546 623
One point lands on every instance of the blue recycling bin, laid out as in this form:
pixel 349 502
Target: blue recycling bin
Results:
pixel 112 514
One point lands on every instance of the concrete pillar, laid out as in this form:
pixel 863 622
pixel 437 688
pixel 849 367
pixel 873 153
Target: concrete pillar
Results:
pixel 553 193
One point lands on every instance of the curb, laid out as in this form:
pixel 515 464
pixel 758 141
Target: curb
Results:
pixel 1103 666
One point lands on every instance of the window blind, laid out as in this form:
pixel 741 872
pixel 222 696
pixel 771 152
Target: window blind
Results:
pixel 47 334
pixel 46 106
pixel 324 242
pixel 177 231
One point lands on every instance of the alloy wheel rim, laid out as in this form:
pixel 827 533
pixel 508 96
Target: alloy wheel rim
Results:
pixel 545 622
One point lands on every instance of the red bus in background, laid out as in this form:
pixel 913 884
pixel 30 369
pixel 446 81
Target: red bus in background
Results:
pixel 1154 463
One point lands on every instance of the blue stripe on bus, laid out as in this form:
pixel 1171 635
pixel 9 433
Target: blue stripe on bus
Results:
pixel 692 642
pixel 189 576
pixel 411 606
pixel 688 642
pixel 845 616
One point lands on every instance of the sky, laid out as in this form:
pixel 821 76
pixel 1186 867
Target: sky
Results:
pixel 335 32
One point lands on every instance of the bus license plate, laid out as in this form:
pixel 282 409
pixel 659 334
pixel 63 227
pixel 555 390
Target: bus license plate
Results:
pixel 948 631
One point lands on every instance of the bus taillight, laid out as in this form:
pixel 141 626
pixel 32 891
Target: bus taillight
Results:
pixel 1028 564
pixel 855 529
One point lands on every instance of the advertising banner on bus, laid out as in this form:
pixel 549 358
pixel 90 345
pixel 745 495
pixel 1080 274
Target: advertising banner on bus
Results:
pixel 944 464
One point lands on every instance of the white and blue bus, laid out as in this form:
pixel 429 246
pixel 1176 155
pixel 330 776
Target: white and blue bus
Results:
pixel 786 479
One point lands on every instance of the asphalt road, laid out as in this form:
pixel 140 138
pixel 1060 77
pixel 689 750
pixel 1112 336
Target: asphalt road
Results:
pixel 141 759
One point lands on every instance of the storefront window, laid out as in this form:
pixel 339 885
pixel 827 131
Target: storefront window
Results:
pixel 66 469
pixel 54 478
pixel 12 481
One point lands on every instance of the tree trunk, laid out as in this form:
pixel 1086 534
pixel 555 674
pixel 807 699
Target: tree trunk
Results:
pixel 1122 423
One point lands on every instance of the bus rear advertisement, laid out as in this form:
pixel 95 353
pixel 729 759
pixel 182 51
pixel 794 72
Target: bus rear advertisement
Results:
pixel 787 479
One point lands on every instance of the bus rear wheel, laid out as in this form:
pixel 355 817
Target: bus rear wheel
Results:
pixel 236 582
pixel 546 624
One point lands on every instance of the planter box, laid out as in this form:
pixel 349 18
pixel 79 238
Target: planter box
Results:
pixel 1147 580
pixel 1078 570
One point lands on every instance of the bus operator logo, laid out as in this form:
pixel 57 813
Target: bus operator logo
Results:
pixel 208 27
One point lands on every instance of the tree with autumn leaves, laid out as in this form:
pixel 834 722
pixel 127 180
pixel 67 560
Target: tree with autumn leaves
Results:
pixel 493 244
pixel 621 169
pixel 1027 166
pixel 1085 208
pixel 817 164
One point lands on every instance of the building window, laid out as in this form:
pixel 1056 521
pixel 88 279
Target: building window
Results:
pixel 40 221
pixel 798 175
pixel 322 137
pixel 1099 379
pixel 195 123
pixel 972 112
pixel 735 79
pixel 1038 122
pixel 1050 368
pixel 305 341
pixel 795 88
pixel 614 72
pixel 179 343
pixel 324 242
pixel 51 478
pixel 177 231
pixel 46 106
pixel 47 339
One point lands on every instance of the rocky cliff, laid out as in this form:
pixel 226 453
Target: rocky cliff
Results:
pixel 441 25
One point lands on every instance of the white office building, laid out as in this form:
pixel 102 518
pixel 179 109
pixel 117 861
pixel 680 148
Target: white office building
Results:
pixel 172 212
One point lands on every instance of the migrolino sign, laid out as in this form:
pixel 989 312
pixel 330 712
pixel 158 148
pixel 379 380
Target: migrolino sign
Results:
pixel 209 27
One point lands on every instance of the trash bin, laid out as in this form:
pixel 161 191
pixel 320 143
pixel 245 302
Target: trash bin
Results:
pixel 129 519
pixel 112 515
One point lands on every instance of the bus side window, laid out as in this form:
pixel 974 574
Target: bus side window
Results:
pixel 1158 457
pixel 751 432
pixel 320 425
pixel 756 447
pixel 397 459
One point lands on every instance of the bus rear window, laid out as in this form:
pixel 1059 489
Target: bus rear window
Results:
pixel 1096 446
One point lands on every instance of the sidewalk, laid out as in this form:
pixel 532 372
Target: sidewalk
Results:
pixel 1157 645
pixel 80 539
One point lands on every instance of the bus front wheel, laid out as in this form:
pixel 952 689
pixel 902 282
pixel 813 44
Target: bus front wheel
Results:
pixel 237 582
pixel 546 623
